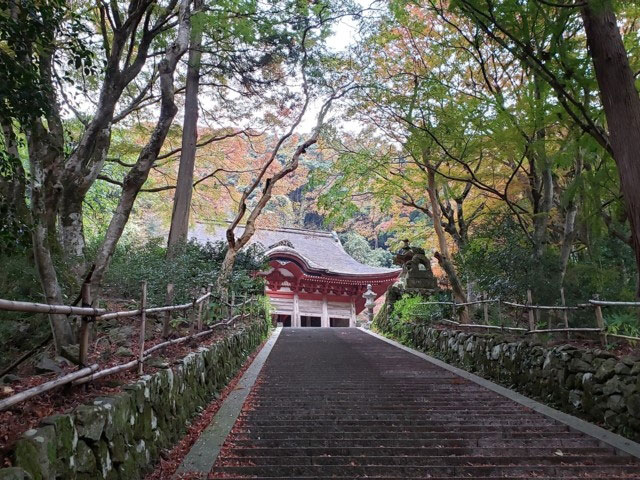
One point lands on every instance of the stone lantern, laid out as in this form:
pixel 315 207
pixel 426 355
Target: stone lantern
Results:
pixel 370 297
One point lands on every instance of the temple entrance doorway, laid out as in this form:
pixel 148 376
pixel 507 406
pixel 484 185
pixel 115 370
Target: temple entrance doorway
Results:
pixel 285 320
pixel 339 322
pixel 309 321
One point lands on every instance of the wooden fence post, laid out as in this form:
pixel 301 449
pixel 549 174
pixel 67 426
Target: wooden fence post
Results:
pixel 83 350
pixel 232 304
pixel 143 326
pixel 206 307
pixel 565 312
pixel 485 308
pixel 193 316
pixel 532 319
pixel 168 300
pixel 600 322
pixel 199 322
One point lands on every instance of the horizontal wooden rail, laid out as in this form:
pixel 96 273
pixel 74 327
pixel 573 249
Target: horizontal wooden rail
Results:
pixel 91 373
pixel 168 308
pixel 30 307
pixel 543 307
pixel 475 325
pixel 147 353
pixel 493 327
pixel 438 303
pixel 576 329
pixel 99 313
pixel 44 387
pixel 604 303
pixel 626 337
pixel 88 314
pixel 476 302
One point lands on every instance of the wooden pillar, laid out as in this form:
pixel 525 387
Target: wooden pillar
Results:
pixel 352 318
pixel 324 322
pixel 83 350
pixel 532 318
pixel 295 319
pixel 143 326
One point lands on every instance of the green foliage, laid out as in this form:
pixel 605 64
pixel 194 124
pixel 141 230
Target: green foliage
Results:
pixel 20 331
pixel 414 307
pixel 358 247
pixel 500 260
pixel 28 33
pixel 623 323
pixel 193 268
pixel 410 309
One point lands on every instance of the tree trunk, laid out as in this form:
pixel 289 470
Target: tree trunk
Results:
pixel 224 276
pixel 139 173
pixel 236 244
pixel 443 258
pixel 123 63
pixel 46 163
pixel 621 104
pixel 13 186
pixel 569 232
pixel 544 189
pixel 184 188
pixel 72 234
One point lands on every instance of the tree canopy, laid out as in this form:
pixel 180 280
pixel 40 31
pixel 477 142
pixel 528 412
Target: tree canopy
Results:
pixel 497 135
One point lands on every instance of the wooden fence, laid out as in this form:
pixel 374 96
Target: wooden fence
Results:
pixel 532 310
pixel 87 373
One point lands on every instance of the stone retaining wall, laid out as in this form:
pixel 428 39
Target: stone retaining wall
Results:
pixel 591 384
pixel 120 436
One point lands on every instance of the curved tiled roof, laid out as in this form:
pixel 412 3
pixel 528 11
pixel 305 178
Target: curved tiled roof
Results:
pixel 320 250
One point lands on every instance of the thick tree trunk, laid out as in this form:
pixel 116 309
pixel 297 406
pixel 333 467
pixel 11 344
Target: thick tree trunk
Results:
pixel 543 186
pixel 569 232
pixel 184 188
pixel 123 64
pixel 621 104
pixel 60 326
pixel 46 163
pixel 72 234
pixel 224 276
pixel 13 185
pixel 443 257
pixel 139 173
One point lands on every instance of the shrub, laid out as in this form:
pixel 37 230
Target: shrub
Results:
pixel 411 309
pixel 623 323
pixel 193 267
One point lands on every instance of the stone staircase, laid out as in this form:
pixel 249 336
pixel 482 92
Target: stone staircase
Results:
pixel 338 403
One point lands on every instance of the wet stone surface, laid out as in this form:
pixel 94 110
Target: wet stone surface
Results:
pixel 339 403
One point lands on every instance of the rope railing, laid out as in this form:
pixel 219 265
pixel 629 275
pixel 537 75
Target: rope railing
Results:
pixel 88 314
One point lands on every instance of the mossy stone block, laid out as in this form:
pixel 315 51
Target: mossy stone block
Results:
pixel 90 421
pixel 85 459
pixel 14 473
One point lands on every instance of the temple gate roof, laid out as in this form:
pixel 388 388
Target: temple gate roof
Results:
pixel 322 251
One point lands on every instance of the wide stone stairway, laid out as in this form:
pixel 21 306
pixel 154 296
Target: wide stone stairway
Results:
pixel 339 403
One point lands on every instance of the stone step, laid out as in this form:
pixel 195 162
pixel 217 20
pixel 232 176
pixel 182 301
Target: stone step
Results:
pixel 347 422
pixel 344 405
pixel 419 460
pixel 377 428
pixel 427 471
pixel 371 452
pixel 420 436
pixel 444 443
